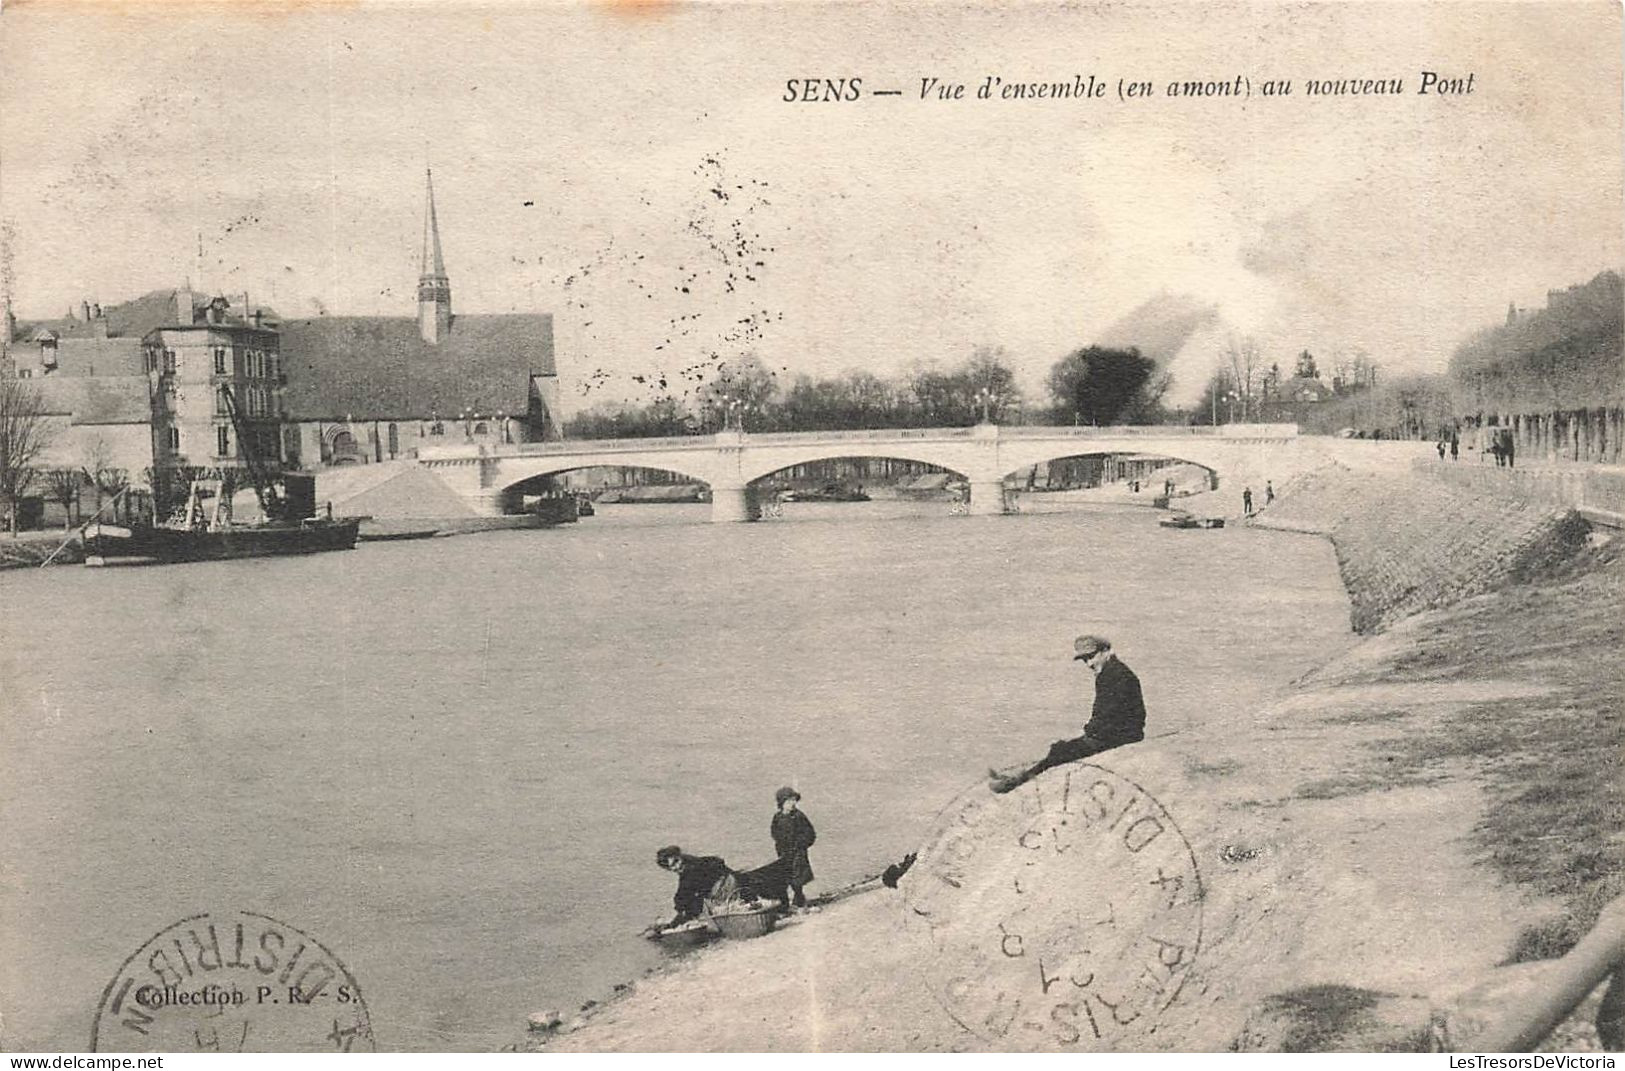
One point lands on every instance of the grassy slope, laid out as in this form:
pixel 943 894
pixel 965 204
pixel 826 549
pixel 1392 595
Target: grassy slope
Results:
pixel 1551 765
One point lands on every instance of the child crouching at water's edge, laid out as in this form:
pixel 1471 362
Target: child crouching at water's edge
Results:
pixel 793 834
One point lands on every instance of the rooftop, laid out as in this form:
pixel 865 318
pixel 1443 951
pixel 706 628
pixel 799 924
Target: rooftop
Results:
pixel 379 367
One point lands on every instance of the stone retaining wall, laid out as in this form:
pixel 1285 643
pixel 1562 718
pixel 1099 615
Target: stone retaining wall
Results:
pixel 1594 487
pixel 1412 542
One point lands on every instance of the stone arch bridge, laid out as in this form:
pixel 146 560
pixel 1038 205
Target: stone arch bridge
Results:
pixel 730 461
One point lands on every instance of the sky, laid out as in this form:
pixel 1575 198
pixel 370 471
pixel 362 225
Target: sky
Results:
pixel 633 169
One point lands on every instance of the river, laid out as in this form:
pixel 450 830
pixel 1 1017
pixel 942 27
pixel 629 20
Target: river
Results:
pixel 452 760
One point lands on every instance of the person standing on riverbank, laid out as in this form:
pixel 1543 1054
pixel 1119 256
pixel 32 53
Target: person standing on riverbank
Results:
pixel 793 834
pixel 1247 501
pixel 1117 718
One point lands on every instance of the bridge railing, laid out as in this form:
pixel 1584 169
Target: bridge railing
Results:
pixel 1154 431
pixel 867 435
pixel 863 435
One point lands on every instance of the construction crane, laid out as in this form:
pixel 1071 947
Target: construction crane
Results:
pixel 271 503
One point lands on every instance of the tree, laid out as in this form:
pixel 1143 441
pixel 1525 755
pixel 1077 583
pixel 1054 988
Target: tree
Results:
pixel 1146 405
pixel 1097 385
pixel 64 485
pixel 108 479
pixel 1305 368
pixel 1270 387
pixel 743 385
pixel 1243 361
pixel 992 382
pixel 24 435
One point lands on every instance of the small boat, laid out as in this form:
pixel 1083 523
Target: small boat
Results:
pixel 1181 519
pixel 584 506
pixel 832 492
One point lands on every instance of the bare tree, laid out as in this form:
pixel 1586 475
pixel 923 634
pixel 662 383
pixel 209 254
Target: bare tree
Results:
pixel 24 435
pixel 64 485
pixel 108 479
pixel 1243 362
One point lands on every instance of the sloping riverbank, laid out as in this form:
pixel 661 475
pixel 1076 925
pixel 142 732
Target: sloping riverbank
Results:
pixel 30 550
pixel 1441 799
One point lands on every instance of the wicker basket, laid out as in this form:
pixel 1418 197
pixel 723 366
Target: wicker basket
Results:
pixel 746 923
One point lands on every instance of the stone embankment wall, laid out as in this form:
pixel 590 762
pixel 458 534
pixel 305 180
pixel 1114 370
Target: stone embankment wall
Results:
pixel 1576 486
pixel 1412 542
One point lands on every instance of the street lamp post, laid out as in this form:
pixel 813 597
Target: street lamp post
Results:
pixel 985 398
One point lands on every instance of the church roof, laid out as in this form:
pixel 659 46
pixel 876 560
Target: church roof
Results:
pixel 380 368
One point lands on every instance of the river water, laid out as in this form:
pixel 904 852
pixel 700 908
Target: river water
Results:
pixel 452 760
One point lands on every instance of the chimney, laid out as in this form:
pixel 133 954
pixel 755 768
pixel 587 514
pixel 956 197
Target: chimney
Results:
pixel 183 305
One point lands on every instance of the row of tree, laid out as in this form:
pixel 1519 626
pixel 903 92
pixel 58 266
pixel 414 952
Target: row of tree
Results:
pixel 1243 388
pixel 1092 385
pixel 1568 355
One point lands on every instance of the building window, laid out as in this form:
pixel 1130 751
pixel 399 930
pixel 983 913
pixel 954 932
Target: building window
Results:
pixel 220 366
pixel 394 440
pixel 222 441
pixel 437 428
pixel 169 361
pixel 25 373
pixel 174 438
pixel 481 429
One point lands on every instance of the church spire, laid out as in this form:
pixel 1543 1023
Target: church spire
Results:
pixel 434 288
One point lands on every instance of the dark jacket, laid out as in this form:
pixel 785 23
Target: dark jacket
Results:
pixel 793 834
pixel 1119 712
pixel 699 876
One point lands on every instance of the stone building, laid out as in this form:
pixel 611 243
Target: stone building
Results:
pixel 192 362
pixel 135 387
pixel 363 389
pixel 142 386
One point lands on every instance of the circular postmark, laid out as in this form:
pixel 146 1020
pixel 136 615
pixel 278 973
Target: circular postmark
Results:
pixel 232 982
pixel 1064 915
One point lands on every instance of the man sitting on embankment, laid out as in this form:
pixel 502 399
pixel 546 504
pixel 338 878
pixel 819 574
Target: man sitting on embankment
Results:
pixel 1118 716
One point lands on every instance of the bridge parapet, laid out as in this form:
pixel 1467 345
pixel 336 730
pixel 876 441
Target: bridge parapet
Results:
pixel 1250 432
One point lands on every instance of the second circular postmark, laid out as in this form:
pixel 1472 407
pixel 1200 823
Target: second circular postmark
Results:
pixel 232 981
pixel 1065 915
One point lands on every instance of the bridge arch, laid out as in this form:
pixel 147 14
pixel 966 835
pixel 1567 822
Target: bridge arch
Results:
pixel 511 484
pixel 1075 454
pixel 758 473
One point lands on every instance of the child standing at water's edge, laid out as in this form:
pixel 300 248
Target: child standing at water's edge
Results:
pixel 793 834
